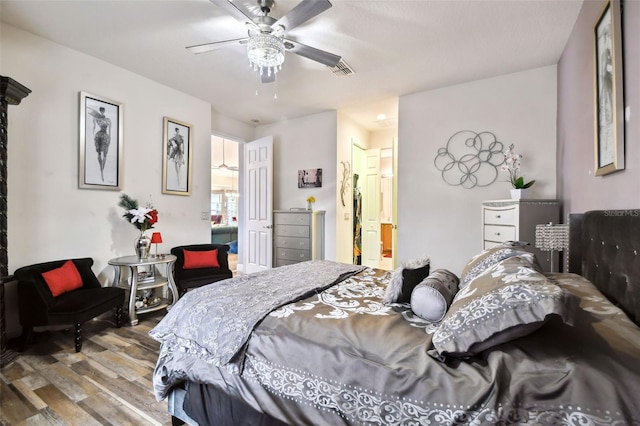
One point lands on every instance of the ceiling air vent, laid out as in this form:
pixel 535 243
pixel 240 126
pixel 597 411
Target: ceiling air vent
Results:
pixel 342 69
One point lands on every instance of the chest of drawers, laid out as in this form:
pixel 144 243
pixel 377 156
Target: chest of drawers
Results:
pixel 297 236
pixel 516 220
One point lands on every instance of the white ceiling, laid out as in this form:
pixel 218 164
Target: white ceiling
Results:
pixel 395 47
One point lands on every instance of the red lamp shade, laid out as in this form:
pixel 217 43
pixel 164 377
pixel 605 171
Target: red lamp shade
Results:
pixel 156 238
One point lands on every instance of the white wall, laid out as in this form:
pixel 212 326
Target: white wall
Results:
pixel 230 128
pixel 444 221
pixel 49 217
pixel 306 143
pixel 383 138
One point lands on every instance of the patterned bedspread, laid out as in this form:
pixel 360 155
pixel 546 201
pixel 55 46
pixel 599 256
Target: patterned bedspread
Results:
pixel 214 323
pixel 342 357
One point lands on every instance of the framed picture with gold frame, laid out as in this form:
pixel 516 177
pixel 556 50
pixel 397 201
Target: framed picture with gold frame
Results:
pixel 608 89
pixel 176 157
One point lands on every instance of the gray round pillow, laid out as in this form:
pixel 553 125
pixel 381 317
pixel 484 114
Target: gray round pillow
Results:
pixel 431 298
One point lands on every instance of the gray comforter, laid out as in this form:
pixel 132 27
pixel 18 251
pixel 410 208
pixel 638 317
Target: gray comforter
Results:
pixel 342 357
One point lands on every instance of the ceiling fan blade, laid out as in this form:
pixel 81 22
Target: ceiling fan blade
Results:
pixel 241 15
pixel 326 58
pixel 266 78
pixel 209 47
pixel 303 11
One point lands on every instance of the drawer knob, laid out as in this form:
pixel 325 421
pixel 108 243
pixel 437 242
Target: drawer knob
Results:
pixel 497 233
pixel 498 216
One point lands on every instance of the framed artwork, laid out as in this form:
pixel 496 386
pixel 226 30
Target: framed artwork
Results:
pixel 310 178
pixel 176 157
pixel 101 151
pixel 608 88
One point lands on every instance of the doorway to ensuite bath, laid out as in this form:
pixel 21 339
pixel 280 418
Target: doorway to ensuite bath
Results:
pixel 373 205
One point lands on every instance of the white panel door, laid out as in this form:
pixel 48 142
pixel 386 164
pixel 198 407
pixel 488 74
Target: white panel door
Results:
pixel 258 178
pixel 371 238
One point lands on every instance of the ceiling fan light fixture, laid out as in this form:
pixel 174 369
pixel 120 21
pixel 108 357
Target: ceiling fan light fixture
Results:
pixel 265 51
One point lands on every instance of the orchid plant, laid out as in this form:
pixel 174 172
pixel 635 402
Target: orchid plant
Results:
pixel 512 166
pixel 142 218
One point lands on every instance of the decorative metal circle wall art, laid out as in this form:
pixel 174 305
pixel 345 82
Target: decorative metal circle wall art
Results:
pixel 470 159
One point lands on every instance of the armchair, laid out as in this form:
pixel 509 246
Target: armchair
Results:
pixel 73 303
pixel 203 273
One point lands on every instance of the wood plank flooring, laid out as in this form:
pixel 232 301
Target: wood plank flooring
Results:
pixel 108 383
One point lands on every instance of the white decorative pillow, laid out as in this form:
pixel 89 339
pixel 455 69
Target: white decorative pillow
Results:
pixel 431 298
pixel 404 279
pixel 509 300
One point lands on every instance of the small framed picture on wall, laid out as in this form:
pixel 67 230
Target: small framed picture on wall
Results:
pixel 176 157
pixel 310 178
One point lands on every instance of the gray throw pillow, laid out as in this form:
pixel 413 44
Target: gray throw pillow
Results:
pixel 509 300
pixel 489 257
pixel 405 278
pixel 431 298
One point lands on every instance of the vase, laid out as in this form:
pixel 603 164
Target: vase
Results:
pixel 142 245
pixel 518 194
pixel 309 206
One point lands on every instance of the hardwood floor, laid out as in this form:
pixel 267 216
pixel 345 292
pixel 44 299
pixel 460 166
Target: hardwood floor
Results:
pixel 108 383
pixel 233 263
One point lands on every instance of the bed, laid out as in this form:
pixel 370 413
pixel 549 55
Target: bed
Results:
pixel 333 352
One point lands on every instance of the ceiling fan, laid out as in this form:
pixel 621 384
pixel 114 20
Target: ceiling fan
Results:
pixel 224 165
pixel 266 42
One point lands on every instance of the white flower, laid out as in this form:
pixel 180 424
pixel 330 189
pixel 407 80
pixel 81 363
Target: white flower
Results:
pixel 512 166
pixel 139 215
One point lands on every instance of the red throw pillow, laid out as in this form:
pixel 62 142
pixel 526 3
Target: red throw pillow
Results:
pixel 63 279
pixel 200 259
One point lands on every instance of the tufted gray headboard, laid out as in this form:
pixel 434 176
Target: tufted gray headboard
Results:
pixel 604 247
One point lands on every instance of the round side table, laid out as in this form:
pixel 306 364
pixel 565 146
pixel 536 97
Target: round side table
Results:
pixel 140 280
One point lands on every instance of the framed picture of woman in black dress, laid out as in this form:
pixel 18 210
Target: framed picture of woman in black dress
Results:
pixel 176 157
pixel 101 143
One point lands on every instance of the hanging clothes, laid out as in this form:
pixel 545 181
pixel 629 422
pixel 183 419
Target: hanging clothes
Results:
pixel 357 222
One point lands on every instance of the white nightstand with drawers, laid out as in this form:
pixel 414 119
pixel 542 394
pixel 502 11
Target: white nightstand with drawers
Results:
pixel 516 220
pixel 297 236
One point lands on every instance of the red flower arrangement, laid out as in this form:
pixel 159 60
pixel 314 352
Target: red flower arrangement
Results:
pixel 142 218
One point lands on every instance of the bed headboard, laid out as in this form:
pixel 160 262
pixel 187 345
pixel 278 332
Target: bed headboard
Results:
pixel 604 247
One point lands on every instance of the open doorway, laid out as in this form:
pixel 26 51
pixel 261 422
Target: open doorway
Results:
pixel 386 210
pixel 373 203
pixel 368 218
pixel 225 192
